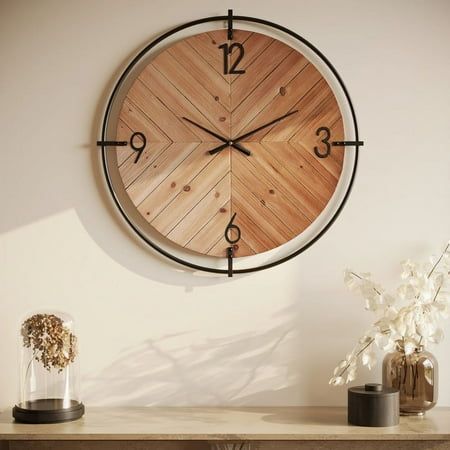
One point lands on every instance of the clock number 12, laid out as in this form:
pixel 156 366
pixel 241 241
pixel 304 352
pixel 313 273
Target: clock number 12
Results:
pixel 227 50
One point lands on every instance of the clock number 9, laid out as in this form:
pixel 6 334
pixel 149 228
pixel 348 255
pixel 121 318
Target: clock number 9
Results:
pixel 326 142
pixel 229 232
pixel 138 149
pixel 227 50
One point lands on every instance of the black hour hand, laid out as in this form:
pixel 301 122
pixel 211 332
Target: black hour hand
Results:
pixel 221 138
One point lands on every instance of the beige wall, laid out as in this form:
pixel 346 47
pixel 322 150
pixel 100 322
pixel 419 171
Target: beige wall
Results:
pixel 151 334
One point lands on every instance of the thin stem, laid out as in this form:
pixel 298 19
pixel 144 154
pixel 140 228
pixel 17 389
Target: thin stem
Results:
pixel 437 293
pixel 438 261
pixel 361 278
pixel 361 350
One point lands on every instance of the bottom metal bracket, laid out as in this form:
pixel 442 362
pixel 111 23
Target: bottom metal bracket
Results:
pixel 230 254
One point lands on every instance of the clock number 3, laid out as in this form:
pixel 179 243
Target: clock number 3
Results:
pixel 326 142
pixel 227 50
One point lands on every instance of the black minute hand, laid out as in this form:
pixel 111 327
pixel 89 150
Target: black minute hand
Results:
pixel 246 135
pixel 221 138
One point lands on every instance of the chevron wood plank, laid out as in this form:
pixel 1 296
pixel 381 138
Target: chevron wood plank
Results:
pixel 286 100
pixel 260 236
pixel 301 169
pixel 254 44
pixel 179 105
pixel 263 94
pixel 175 182
pixel 265 63
pixel 257 210
pixel 274 172
pixel 207 237
pixel 266 191
pixel 138 121
pixel 192 193
pixel 217 87
pixel 131 170
pixel 202 213
pixel 242 249
pixel 191 88
pixel 172 125
pixel 326 115
pixel 207 46
pixel 305 145
pixel 311 104
pixel 159 170
pixel 257 240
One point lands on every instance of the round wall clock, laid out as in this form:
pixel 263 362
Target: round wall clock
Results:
pixel 230 149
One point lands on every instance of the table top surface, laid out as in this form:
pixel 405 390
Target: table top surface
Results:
pixel 239 423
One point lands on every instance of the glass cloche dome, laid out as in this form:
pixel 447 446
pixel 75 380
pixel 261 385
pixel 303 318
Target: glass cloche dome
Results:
pixel 49 379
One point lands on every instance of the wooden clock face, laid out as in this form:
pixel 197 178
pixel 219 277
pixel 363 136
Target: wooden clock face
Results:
pixel 206 93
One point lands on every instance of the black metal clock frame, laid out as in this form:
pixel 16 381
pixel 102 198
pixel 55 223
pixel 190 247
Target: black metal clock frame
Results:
pixel 229 19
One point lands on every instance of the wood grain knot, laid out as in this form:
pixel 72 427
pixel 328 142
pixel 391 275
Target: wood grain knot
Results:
pixel 186 188
pixel 282 91
pixel 216 98
pixel 271 191
pixel 223 210
pixel 173 184
pixel 217 194
pixel 222 119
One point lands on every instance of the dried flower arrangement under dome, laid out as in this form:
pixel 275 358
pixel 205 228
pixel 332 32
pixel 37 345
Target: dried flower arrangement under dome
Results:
pixel 409 317
pixel 53 344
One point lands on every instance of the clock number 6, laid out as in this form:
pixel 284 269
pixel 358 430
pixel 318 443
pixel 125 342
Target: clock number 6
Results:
pixel 229 232
pixel 231 240
pixel 227 50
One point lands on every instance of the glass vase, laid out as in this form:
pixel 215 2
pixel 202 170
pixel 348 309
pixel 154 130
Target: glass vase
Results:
pixel 48 381
pixel 415 376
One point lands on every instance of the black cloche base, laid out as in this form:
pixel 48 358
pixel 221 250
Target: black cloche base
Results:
pixel 48 411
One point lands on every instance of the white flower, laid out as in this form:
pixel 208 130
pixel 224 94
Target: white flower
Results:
pixel 409 346
pixel 351 281
pixel 351 375
pixel 382 340
pixel 410 316
pixel 437 336
pixel 387 299
pixel 369 359
pixel 409 269
pixel 406 291
pixel 336 381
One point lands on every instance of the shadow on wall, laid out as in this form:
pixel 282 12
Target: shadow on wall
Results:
pixel 255 368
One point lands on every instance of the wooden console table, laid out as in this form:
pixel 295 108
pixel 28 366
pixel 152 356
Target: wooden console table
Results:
pixel 224 429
